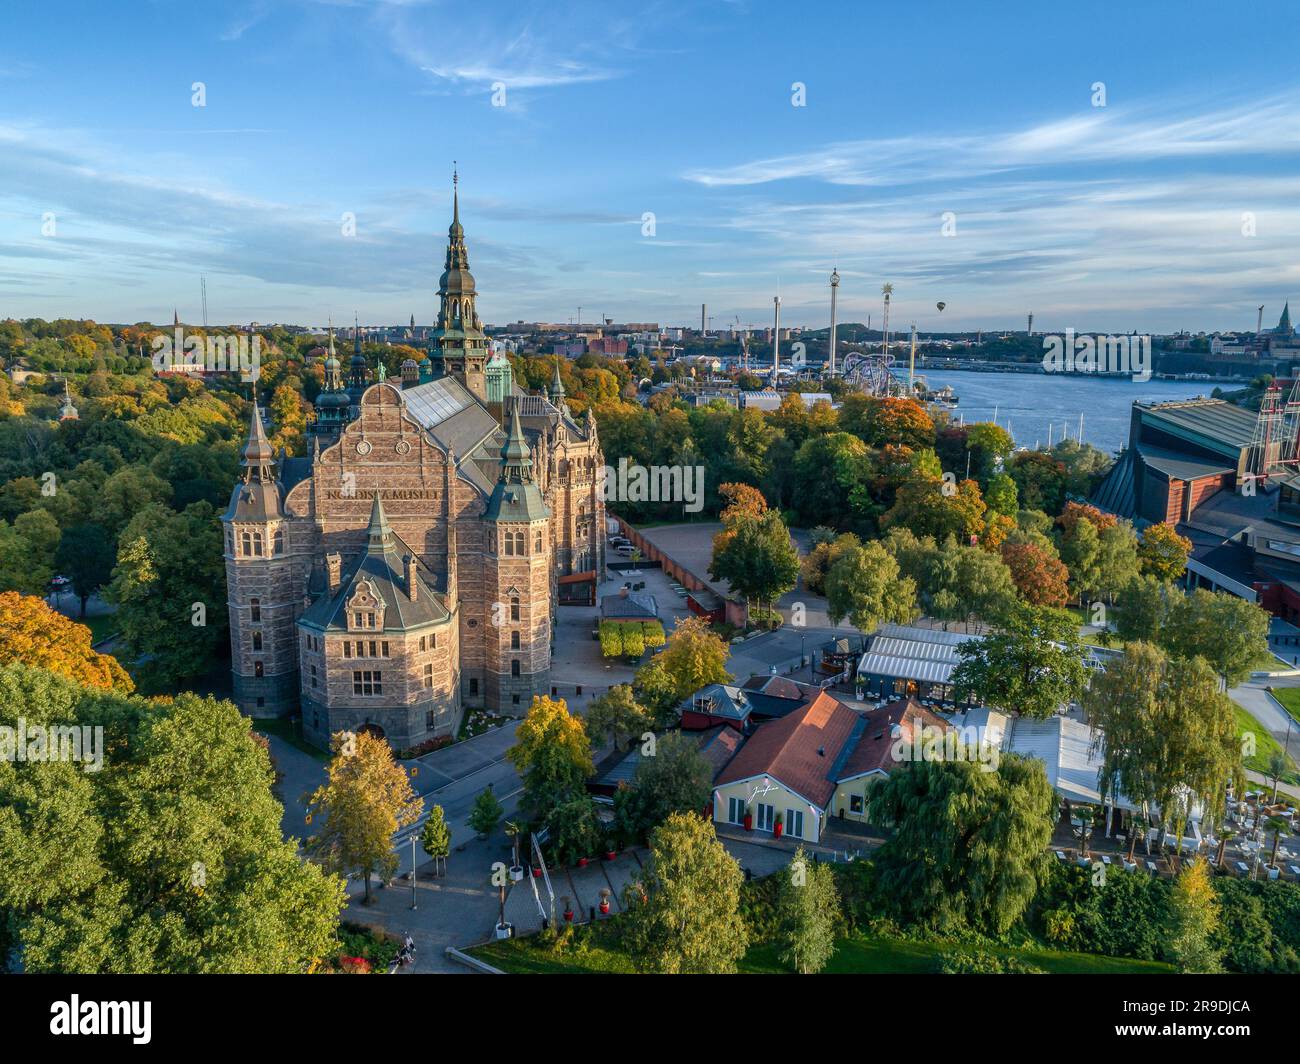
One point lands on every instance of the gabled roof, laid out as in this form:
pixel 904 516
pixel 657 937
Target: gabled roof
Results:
pixel 382 565
pixel 873 752
pixel 799 751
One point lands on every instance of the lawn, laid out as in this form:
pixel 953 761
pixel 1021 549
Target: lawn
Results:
pixel 1265 746
pixel 856 954
pixel 288 731
pixel 101 626
pixel 1290 699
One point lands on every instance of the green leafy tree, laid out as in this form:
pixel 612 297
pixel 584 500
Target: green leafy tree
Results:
pixel 1143 608
pixel 1032 665
pixel 1166 733
pixel 967 849
pixel 1000 495
pixel 756 557
pixel 170 589
pixel 689 922
pixel 864 585
pixel 85 556
pixel 673 778
pixel 486 813
pixel 615 717
pixel 808 910
pixel 169 859
pixel 436 836
pixel 1228 632
pixel 575 829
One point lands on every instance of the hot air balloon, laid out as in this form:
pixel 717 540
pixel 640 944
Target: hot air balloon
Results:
pixel 941 306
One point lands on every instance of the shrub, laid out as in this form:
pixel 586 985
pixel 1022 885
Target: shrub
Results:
pixel 979 962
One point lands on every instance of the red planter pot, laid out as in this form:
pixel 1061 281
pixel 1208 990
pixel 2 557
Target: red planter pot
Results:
pixel 568 916
pixel 537 873
pixel 749 821
pixel 604 908
pixel 582 862
pixel 610 855
pixel 776 830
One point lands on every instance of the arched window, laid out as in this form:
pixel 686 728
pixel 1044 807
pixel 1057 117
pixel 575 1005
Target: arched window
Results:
pixel 510 544
pixel 255 610
pixel 521 544
pixel 246 543
pixel 257 544
pixel 279 541
pixel 257 668
pixel 537 544
pixel 257 640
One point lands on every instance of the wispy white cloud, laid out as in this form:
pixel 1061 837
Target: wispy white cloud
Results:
pixel 1267 127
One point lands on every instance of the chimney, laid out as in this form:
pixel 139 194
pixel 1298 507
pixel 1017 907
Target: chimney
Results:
pixel 411 582
pixel 333 570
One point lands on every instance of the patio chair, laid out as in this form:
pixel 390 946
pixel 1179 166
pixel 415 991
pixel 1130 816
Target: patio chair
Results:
pixel 1243 868
pixel 1295 871
pixel 1060 855
pixel 1151 867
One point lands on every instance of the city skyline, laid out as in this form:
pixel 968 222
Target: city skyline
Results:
pixel 1168 208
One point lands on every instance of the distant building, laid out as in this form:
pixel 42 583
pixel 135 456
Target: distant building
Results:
pixel 1229 481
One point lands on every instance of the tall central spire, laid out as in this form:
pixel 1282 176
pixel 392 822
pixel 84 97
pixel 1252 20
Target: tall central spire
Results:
pixel 458 338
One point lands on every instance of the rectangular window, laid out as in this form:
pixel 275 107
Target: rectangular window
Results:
pixel 429 719
pixel 766 817
pixel 428 677
pixel 514 640
pixel 514 666
pixel 794 823
pixel 367 683
pixel 384 648
pixel 855 803
pixel 422 642
pixel 257 640
pixel 473 686
pixel 372 649
pixel 735 810
pixel 356 618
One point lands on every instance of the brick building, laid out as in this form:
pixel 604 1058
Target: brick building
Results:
pixel 408 567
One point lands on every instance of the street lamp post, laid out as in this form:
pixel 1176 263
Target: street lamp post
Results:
pixel 413 905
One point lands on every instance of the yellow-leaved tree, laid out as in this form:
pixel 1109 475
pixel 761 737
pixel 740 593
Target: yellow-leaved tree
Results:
pixel 552 755
pixel 33 634
pixel 368 797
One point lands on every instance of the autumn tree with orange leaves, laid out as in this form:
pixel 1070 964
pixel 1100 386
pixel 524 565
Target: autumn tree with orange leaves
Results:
pixel 33 634
pixel 1041 579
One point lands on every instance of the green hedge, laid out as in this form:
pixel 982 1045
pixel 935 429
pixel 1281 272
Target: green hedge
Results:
pixel 630 638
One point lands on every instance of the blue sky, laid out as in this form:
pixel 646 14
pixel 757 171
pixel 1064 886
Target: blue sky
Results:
pixel 1102 218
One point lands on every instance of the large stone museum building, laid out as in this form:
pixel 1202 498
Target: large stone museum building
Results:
pixel 411 565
